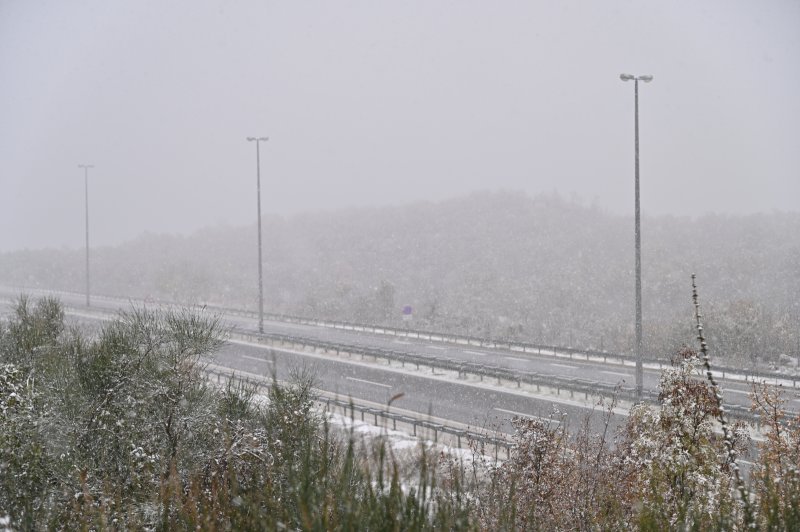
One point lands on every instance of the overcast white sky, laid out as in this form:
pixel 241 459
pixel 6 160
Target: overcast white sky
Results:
pixel 386 102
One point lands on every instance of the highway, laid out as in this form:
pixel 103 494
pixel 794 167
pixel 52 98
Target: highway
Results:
pixel 439 395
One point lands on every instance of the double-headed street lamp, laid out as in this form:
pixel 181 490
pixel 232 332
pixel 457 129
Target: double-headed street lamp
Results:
pixel 258 200
pixel 86 191
pixel 637 232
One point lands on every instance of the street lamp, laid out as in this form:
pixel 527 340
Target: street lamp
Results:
pixel 637 232
pixel 258 140
pixel 86 192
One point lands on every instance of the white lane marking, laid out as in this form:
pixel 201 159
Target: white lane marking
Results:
pixel 729 390
pixel 521 414
pixel 516 359
pixel 477 353
pixel 257 359
pixel 402 342
pixel 368 382
pixel 437 347
pixel 617 373
pixel 567 366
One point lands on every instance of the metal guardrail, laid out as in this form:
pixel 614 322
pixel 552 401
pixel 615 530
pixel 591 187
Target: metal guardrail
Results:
pixel 417 425
pixel 567 384
pixel 520 347
pixel 460 339
pixel 588 388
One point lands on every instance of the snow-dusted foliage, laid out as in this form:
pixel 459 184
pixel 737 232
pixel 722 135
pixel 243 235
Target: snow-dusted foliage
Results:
pixel 667 469
pixel 23 468
pixel 777 475
pixel 680 463
pixel 89 423
pixel 25 465
pixel 120 430
pixel 556 479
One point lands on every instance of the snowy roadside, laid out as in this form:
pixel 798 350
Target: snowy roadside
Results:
pixel 400 440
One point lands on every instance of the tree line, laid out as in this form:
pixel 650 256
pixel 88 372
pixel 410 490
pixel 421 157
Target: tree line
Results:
pixel 496 264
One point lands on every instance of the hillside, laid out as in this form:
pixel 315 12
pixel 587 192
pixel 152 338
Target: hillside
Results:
pixel 493 264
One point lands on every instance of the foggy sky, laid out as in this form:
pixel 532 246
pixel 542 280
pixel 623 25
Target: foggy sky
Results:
pixel 386 102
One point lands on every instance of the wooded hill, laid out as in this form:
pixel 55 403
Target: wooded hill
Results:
pixel 498 264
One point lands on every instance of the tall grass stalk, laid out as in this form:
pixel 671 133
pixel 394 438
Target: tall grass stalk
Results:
pixel 749 520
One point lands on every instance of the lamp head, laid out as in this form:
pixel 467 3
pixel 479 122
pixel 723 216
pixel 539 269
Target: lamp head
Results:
pixel 625 77
pixel 646 78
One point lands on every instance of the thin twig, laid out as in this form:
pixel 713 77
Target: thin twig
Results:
pixel 748 514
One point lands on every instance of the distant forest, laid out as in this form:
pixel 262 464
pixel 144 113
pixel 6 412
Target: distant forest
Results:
pixel 493 264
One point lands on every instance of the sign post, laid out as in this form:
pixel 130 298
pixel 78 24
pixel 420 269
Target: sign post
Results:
pixel 407 313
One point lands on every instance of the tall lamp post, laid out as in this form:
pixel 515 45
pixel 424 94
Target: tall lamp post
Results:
pixel 258 140
pixel 637 232
pixel 86 193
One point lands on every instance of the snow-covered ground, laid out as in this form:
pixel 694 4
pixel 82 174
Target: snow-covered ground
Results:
pixel 398 440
